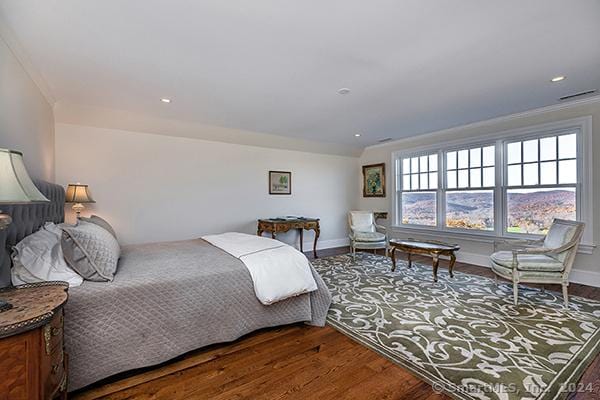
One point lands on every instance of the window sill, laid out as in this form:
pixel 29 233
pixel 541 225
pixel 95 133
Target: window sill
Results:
pixel 479 237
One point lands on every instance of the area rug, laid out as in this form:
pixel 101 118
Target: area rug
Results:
pixel 463 335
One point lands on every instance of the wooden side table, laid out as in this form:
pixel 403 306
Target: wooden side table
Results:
pixel 275 225
pixel 33 363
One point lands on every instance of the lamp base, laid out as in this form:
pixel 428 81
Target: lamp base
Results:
pixel 5 220
pixel 78 208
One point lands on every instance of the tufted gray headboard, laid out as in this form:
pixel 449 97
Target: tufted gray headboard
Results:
pixel 28 218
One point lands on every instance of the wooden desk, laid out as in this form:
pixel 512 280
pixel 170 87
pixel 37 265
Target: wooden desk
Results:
pixel 275 226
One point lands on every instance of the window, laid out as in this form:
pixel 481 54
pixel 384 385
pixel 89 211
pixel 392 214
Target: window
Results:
pixel 513 183
pixel 541 182
pixel 470 182
pixel 419 183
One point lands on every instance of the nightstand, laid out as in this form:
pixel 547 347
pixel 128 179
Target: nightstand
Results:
pixel 33 364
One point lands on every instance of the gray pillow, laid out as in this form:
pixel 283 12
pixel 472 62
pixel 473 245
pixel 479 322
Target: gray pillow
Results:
pixel 101 222
pixel 91 251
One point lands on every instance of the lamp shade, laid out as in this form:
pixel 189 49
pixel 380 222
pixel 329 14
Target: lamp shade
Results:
pixel 15 184
pixel 78 193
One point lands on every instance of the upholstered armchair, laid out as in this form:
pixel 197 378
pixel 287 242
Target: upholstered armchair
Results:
pixel 545 261
pixel 365 233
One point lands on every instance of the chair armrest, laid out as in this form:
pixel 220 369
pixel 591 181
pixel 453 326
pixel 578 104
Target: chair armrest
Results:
pixel 510 244
pixel 380 227
pixel 547 250
pixel 533 250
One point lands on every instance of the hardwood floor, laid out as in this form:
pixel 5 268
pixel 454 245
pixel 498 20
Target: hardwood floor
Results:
pixel 293 362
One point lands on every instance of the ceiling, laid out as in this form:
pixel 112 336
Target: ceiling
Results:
pixel 274 66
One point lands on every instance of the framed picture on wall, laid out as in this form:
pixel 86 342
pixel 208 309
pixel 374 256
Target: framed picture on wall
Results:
pixel 280 182
pixel 374 180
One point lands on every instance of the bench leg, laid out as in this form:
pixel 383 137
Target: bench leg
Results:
pixel 436 263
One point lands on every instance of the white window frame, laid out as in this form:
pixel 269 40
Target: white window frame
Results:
pixel 582 126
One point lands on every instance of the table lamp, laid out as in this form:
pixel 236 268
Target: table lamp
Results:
pixel 16 187
pixel 78 194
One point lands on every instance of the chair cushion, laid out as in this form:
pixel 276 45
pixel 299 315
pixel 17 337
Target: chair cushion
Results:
pixel 506 272
pixel 369 237
pixel 528 262
pixel 558 235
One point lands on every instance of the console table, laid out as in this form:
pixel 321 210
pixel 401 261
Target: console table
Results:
pixel 277 225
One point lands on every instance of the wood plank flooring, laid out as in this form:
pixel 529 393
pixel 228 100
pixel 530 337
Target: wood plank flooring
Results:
pixel 292 362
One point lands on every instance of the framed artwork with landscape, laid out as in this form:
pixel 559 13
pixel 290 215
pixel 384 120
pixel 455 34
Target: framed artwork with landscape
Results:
pixel 374 180
pixel 280 182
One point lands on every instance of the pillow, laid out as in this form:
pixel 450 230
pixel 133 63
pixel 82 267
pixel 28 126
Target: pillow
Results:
pixel 101 222
pixel 91 251
pixel 39 258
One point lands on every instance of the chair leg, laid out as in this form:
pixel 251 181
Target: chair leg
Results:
pixel 516 291
pixel 354 253
pixel 543 289
pixel 565 290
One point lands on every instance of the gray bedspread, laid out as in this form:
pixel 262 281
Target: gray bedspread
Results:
pixel 168 299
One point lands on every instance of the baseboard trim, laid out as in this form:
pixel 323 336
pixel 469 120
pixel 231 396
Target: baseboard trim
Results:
pixel 589 278
pixel 326 244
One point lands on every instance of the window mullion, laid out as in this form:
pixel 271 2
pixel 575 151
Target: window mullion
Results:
pixel 441 196
pixel 499 197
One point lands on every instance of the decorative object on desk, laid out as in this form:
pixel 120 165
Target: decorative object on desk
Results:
pixel 280 182
pixel 78 194
pixel 16 187
pixel 374 180
pixel 277 225
pixel 380 214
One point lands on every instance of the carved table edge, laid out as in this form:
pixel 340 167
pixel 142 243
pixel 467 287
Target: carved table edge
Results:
pixel 33 323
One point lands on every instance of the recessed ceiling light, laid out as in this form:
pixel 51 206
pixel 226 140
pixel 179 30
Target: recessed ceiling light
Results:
pixel 357 134
pixel 344 90
pixel 558 78
pixel 165 100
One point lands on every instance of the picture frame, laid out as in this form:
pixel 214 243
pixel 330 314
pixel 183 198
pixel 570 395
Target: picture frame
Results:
pixel 280 182
pixel 374 180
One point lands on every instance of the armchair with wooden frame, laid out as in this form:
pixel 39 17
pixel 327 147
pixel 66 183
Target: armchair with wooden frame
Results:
pixel 365 233
pixel 548 260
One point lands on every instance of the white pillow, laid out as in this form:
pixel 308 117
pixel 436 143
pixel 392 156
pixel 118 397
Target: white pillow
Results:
pixel 39 258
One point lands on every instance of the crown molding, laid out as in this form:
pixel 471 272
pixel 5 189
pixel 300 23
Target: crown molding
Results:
pixel 107 118
pixel 493 121
pixel 15 47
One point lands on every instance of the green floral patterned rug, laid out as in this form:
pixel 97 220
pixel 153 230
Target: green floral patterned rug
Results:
pixel 463 335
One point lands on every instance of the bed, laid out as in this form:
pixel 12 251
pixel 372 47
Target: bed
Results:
pixel 165 300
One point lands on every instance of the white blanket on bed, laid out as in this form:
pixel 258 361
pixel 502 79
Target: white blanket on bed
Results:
pixel 278 270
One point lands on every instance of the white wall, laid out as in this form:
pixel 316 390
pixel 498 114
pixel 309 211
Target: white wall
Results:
pixel 157 188
pixel 587 266
pixel 26 119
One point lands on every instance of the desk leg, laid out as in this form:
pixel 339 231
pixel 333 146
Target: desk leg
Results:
pixel 317 234
pixel 436 263
pixel 409 259
pixel 273 235
pixel 393 259
pixel 301 240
